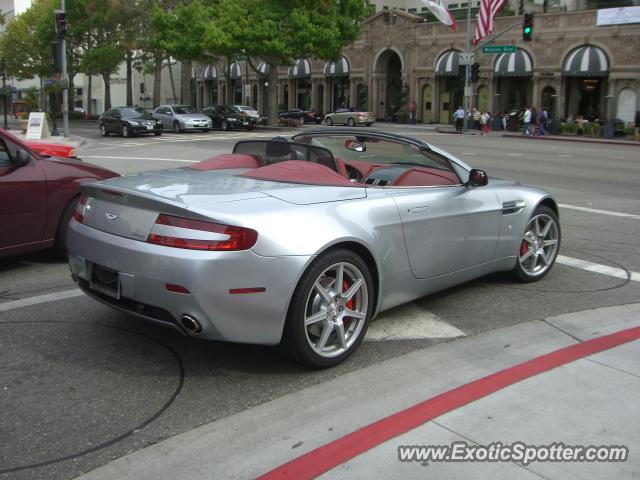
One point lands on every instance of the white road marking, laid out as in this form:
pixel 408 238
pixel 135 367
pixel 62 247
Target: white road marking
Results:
pixel 515 154
pixel 597 268
pixel 467 153
pixel 142 158
pixel 409 322
pixel 50 297
pixel 565 155
pixel 617 157
pixel 603 212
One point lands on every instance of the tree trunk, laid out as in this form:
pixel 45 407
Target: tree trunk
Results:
pixel 157 81
pixel 106 77
pixel 185 83
pixel 272 114
pixel 88 110
pixel 173 83
pixel 129 61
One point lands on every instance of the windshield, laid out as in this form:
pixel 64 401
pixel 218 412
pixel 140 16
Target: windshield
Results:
pixel 133 112
pixel 181 109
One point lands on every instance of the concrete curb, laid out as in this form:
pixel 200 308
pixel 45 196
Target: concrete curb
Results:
pixel 583 141
pixel 254 441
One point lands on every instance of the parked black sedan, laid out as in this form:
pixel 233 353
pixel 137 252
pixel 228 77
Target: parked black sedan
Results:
pixel 222 117
pixel 128 121
pixel 307 116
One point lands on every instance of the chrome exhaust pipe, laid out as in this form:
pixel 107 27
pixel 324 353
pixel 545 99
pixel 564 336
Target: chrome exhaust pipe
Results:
pixel 190 323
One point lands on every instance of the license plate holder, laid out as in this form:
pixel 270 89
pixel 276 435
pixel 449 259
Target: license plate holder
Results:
pixel 149 127
pixel 105 281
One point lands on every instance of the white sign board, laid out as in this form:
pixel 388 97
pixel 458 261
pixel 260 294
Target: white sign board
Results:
pixel 618 16
pixel 467 58
pixel 37 128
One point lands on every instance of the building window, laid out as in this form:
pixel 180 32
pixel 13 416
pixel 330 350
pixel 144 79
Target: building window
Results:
pixel 413 10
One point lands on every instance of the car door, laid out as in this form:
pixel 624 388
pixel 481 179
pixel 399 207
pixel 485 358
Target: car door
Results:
pixel 107 120
pixel 23 198
pixel 448 228
pixel 161 113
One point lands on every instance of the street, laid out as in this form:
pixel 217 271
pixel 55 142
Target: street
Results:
pixel 82 385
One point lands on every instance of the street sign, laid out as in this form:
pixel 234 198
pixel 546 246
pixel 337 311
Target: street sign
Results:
pixel 467 58
pixel 499 49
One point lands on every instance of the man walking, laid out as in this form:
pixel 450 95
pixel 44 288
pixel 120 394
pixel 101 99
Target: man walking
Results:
pixel 477 116
pixel 542 122
pixel 527 121
pixel 458 116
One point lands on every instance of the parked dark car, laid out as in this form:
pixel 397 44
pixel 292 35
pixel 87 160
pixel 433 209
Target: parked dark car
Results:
pixel 128 121
pixel 222 117
pixel 38 196
pixel 307 116
pixel 247 116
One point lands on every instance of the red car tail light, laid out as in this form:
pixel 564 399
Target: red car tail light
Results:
pixel 78 215
pixel 360 115
pixel 179 232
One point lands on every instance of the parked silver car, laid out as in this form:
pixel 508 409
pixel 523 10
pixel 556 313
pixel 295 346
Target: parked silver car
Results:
pixel 181 117
pixel 304 242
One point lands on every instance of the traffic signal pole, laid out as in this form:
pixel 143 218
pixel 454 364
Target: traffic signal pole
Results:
pixel 467 74
pixel 65 83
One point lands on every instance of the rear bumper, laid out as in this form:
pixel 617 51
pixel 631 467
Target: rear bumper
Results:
pixel 142 129
pixel 145 269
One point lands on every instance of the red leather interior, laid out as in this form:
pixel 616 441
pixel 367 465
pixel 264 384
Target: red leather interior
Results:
pixel 299 171
pixel 342 167
pixel 424 177
pixel 228 160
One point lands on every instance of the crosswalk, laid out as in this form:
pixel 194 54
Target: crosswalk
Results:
pixel 170 137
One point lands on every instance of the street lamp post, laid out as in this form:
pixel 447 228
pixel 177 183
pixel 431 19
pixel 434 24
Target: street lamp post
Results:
pixel 4 96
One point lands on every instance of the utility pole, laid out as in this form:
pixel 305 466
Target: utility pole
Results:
pixel 467 71
pixel 4 95
pixel 65 82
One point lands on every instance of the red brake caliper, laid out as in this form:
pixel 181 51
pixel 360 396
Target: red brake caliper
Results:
pixel 523 247
pixel 345 287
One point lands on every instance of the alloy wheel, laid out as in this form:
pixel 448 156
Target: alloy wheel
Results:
pixel 539 245
pixel 336 309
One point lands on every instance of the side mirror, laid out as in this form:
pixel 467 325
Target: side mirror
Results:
pixel 169 113
pixel 355 146
pixel 477 178
pixel 22 158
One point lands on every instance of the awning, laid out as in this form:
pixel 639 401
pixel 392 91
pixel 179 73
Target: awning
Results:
pixel 300 69
pixel 210 72
pixel 194 74
pixel 264 69
pixel 586 61
pixel 516 64
pixel 337 69
pixel 448 65
pixel 235 71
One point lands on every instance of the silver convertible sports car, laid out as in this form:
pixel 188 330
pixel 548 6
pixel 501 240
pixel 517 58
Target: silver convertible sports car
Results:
pixel 303 242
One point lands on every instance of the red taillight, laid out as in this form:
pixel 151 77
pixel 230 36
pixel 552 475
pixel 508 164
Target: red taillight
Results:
pixel 78 215
pixel 170 287
pixel 361 115
pixel 179 232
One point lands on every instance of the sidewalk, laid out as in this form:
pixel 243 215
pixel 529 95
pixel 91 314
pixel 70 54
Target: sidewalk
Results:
pixel 573 379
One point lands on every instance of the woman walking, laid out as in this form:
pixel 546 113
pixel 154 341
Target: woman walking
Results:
pixel 485 119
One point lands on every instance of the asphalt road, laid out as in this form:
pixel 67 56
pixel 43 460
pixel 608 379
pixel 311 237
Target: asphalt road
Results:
pixel 81 385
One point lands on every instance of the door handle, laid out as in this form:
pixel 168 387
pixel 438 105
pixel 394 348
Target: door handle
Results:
pixel 420 209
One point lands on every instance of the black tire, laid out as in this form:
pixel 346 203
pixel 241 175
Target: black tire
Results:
pixel 157 134
pixel 60 247
pixel 205 130
pixel 328 122
pixel 296 338
pixel 224 126
pixel 532 243
pixel 351 122
pixel 368 124
pixel 176 127
pixel 103 130
pixel 126 133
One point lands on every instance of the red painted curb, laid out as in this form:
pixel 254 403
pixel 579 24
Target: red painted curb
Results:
pixel 334 453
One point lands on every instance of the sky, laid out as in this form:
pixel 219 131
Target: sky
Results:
pixel 21 5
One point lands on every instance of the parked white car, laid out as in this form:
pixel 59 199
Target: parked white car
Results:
pixel 249 114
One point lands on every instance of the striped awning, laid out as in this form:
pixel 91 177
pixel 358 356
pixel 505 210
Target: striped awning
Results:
pixel 264 69
pixel 586 61
pixel 516 64
pixel 235 71
pixel 300 69
pixel 210 72
pixel 194 74
pixel 448 65
pixel 337 69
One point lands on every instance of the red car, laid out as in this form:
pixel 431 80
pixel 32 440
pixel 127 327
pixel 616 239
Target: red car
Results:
pixel 51 149
pixel 38 196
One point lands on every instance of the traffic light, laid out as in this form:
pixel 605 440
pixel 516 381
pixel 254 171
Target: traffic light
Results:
pixel 475 72
pixel 56 58
pixel 61 23
pixel 527 27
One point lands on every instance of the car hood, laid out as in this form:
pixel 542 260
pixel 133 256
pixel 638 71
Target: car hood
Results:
pixel 193 188
pixel 192 116
pixel 141 118
pixel 90 169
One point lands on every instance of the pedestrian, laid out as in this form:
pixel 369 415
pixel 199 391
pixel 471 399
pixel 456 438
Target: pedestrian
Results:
pixel 458 116
pixel 476 118
pixel 413 112
pixel 527 121
pixel 485 119
pixel 637 125
pixel 505 120
pixel 542 122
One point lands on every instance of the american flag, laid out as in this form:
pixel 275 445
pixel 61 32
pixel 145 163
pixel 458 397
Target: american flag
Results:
pixel 488 10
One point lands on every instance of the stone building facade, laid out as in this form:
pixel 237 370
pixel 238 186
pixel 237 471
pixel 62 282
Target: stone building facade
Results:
pixel 572 67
